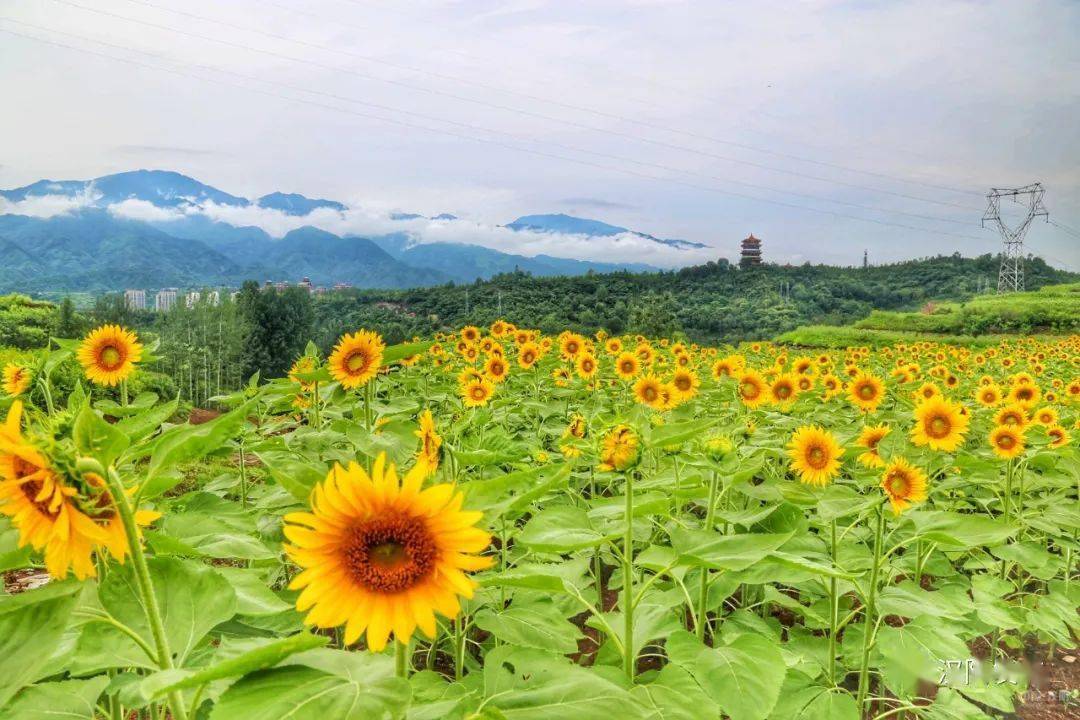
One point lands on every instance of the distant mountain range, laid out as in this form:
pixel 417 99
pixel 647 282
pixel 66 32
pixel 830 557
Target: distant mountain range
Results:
pixel 97 243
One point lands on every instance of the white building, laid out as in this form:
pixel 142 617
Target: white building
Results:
pixel 135 299
pixel 192 299
pixel 165 300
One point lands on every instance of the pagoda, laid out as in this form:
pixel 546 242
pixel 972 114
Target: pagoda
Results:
pixel 751 251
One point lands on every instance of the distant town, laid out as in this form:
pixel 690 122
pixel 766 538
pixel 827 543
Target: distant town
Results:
pixel 165 299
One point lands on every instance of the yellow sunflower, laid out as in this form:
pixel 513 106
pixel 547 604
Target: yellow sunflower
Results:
pixel 1045 416
pixel 528 354
pixel 430 443
pixel 869 438
pixel 866 392
pixel 815 455
pixel 571 345
pixel 782 390
pixel 685 384
pixel 477 392
pixel 904 484
pixel 470 334
pixel 939 424
pixel 988 395
pixel 1012 416
pixel 586 365
pixel 648 390
pixel 109 354
pixel 1026 394
pixel 16 379
pixel 627 366
pixel 927 391
pixel 496 369
pixel 613 346
pixel 382 556
pixel 1007 441
pixel 356 358
pixel 620 449
pixel 752 389
pixel 1059 436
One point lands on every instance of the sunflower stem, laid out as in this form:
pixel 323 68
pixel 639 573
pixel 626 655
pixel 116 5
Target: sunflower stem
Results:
pixel 146 588
pixel 401 658
pixel 703 590
pixel 834 605
pixel 123 393
pixel 870 609
pixel 629 661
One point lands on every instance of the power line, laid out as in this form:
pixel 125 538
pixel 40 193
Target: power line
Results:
pixel 478 128
pixel 497 106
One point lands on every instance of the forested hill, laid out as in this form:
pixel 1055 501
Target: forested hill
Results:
pixel 712 302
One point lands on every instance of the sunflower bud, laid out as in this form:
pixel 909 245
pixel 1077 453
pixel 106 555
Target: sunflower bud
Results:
pixel 621 449
pixel 719 447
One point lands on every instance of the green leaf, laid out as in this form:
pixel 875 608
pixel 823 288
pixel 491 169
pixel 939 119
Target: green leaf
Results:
pixel 31 624
pixel 560 529
pixel 538 625
pixel 70 699
pixel 147 422
pixel 97 438
pixel 260 658
pixel 292 472
pixel 675 695
pixel 676 434
pixel 725 552
pixel 193 598
pixel 321 683
pixel 957 531
pixel 744 677
pixel 190 442
pixel 396 353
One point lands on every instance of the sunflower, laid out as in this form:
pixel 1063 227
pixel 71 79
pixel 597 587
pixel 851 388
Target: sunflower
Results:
pixel 866 392
pixel 477 392
pixel 470 334
pixel 648 390
pixel 613 346
pixel 1007 441
pixel 1012 416
pixel 724 367
pixel 782 390
pixel 496 369
pixel 869 438
pixel 815 455
pixel 382 556
pixel 627 366
pixel 561 376
pixel 685 383
pixel 1059 436
pixel 619 449
pixel 109 354
pixel 586 365
pixel 904 484
pixel 528 354
pixel 988 395
pixel 927 391
pixel 833 385
pixel 356 358
pixel 574 431
pixel 571 345
pixel 940 424
pixel 1045 416
pixel 430 443
pixel 16 379
pixel 1026 394
pixel 752 390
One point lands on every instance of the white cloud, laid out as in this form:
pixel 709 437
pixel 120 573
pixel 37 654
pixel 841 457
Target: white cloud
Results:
pixel 45 206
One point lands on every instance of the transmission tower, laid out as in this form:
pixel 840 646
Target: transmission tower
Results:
pixel 1011 274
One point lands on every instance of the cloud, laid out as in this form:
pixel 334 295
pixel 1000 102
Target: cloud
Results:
pixel 46 206
pixel 597 203
pixel 172 150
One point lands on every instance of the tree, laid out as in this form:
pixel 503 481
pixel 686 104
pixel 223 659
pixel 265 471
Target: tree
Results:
pixel 68 324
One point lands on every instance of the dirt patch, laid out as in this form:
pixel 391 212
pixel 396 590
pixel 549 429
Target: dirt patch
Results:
pixel 17 581
pixel 200 416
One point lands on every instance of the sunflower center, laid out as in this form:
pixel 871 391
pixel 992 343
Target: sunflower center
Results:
pixel 356 362
pixel 1006 442
pixel 683 383
pixel 816 457
pixel 649 393
pixel 389 555
pixel 478 392
pixel 783 391
pixel 749 390
pixel 938 427
pixel 898 484
pixel 866 392
pixel 111 357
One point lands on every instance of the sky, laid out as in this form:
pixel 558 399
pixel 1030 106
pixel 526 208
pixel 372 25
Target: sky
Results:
pixel 824 127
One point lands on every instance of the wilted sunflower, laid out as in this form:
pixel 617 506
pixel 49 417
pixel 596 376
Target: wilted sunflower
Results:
pixel 427 456
pixel 627 366
pixel 356 358
pixel 939 424
pixel 477 392
pixel 904 484
pixel 648 390
pixel 869 438
pixel 1007 441
pixel 620 449
pixel 109 354
pixel 16 379
pixel 382 556
pixel 752 389
pixel 866 392
pixel 815 455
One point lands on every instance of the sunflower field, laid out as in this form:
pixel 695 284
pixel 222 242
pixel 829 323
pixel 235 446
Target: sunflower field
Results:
pixel 498 524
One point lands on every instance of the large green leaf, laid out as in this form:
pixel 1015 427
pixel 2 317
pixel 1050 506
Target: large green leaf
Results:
pixel 675 695
pixel 743 677
pixel 31 624
pixel 537 625
pixel 958 531
pixel 190 442
pixel 725 552
pixel 69 700
pixel 560 529
pixel 147 422
pixel 292 471
pixel 96 438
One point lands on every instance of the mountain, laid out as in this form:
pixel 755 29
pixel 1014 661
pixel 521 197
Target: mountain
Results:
pixel 80 249
pixel 567 224
pixel 95 251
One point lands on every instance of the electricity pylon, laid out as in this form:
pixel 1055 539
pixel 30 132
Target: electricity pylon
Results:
pixel 1011 274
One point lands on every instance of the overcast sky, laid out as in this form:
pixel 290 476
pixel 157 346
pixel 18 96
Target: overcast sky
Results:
pixel 698 120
